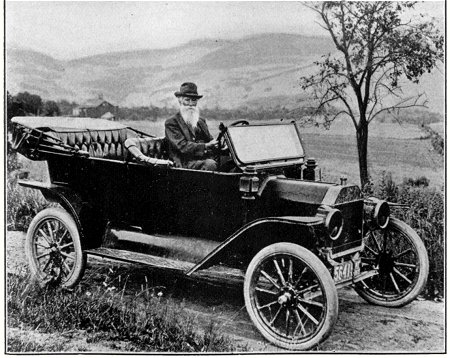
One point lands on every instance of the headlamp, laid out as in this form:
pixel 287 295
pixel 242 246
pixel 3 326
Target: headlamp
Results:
pixel 376 213
pixel 332 220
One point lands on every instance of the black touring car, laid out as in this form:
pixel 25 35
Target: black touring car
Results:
pixel 290 239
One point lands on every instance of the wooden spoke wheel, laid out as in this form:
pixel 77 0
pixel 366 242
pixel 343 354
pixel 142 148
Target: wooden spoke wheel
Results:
pixel 53 248
pixel 401 259
pixel 290 296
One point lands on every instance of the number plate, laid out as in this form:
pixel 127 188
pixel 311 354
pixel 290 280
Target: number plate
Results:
pixel 346 270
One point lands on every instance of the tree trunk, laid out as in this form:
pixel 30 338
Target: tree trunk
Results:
pixel 362 136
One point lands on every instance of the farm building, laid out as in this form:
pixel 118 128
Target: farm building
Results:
pixel 108 115
pixel 98 108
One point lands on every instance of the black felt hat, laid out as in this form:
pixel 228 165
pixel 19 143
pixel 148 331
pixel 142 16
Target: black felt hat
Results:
pixel 188 89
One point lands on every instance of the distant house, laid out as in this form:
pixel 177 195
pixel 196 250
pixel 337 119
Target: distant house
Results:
pixel 98 108
pixel 108 115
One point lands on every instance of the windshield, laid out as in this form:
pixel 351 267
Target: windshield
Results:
pixel 263 143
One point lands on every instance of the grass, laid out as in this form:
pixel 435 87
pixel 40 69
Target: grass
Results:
pixel 23 205
pixel 110 310
pixel 16 344
pixel 425 214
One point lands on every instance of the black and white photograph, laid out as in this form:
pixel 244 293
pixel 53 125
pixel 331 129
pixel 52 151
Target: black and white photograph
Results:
pixel 233 177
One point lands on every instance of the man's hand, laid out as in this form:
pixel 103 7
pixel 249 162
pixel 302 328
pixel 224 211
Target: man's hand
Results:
pixel 163 163
pixel 211 144
pixel 157 162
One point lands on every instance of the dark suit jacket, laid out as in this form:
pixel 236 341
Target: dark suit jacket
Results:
pixel 186 144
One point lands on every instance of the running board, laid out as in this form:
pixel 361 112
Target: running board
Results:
pixel 213 274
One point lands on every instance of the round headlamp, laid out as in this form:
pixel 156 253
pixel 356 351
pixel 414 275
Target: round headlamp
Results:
pixel 377 213
pixel 333 221
pixel 381 214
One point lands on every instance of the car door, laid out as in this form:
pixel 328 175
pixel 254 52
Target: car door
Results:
pixel 202 203
pixel 146 192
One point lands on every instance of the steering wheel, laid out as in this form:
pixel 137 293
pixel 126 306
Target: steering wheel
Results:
pixel 221 146
pixel 220 142
pixel 242 121
pixel 222 128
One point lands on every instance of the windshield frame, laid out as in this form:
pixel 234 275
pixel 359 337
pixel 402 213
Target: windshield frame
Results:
pixel 287 160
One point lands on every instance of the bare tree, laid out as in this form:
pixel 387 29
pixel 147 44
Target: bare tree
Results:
pixel 376 45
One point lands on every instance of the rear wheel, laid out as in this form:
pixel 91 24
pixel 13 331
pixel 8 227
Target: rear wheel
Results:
pixel 53 248
pixel 402 262
pixel 290 296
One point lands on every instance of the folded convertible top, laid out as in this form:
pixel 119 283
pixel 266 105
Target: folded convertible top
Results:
pixel 67 124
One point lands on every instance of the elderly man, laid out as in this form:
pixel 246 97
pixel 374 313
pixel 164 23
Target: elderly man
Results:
pixel 190 143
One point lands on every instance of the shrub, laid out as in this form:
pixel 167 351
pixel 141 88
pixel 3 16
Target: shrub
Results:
pixel 425 214
pixel 419 182
pixel 437 141
pixel 387 189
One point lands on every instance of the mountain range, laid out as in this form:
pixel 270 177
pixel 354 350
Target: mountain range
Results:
pixel 255 71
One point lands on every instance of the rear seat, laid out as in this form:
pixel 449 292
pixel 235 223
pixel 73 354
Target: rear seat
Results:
pixel 109 144
pixel 153 148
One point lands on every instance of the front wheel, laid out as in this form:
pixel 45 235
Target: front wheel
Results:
pixel 53 248
pixel 400 257
pixel 290 296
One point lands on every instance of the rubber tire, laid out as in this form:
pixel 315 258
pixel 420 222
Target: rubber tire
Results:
pixel 416 241
pixel 80 257
pixel 322 274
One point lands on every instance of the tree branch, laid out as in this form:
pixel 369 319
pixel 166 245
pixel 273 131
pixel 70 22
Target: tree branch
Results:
pixel 402 105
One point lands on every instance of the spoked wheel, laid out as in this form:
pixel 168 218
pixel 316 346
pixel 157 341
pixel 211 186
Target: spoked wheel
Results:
pixel 53 248
pixel 290 296
pixel 402 262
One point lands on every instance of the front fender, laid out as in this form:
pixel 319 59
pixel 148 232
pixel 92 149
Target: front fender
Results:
pixel 280 223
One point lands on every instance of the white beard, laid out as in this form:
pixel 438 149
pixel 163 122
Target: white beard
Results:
pixel 190 115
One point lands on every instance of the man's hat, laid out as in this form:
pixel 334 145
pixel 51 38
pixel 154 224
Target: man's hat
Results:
pixel 188 89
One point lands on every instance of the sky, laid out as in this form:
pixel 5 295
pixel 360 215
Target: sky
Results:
pixel 67 30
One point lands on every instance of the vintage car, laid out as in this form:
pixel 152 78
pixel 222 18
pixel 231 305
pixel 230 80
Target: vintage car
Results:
pixel 289 239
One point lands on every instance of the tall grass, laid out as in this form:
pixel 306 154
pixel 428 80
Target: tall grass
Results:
pixel 109 312
pixel 425 214
pixel 22 205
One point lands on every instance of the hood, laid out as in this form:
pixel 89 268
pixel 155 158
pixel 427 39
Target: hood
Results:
pixel 309 192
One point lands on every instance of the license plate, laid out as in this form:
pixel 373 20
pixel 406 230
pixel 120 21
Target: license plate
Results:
pixel 346 270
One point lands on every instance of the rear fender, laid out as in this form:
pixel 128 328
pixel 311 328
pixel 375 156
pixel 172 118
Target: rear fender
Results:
pixel 262 232
pixel 91 225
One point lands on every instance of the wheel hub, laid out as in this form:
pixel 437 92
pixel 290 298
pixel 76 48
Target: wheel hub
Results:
pixel 285 298
pixel 288 295
pixel 386 263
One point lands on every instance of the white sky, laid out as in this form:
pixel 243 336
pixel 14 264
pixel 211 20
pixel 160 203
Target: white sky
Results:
pixel 67 30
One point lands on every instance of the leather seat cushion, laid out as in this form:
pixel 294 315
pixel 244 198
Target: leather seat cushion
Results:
pixel 109 144
pixel 154 148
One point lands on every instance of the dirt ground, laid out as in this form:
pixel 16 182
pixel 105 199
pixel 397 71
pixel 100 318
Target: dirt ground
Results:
pixel 361 327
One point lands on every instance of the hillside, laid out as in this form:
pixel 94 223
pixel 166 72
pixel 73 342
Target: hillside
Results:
pixel 260 70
